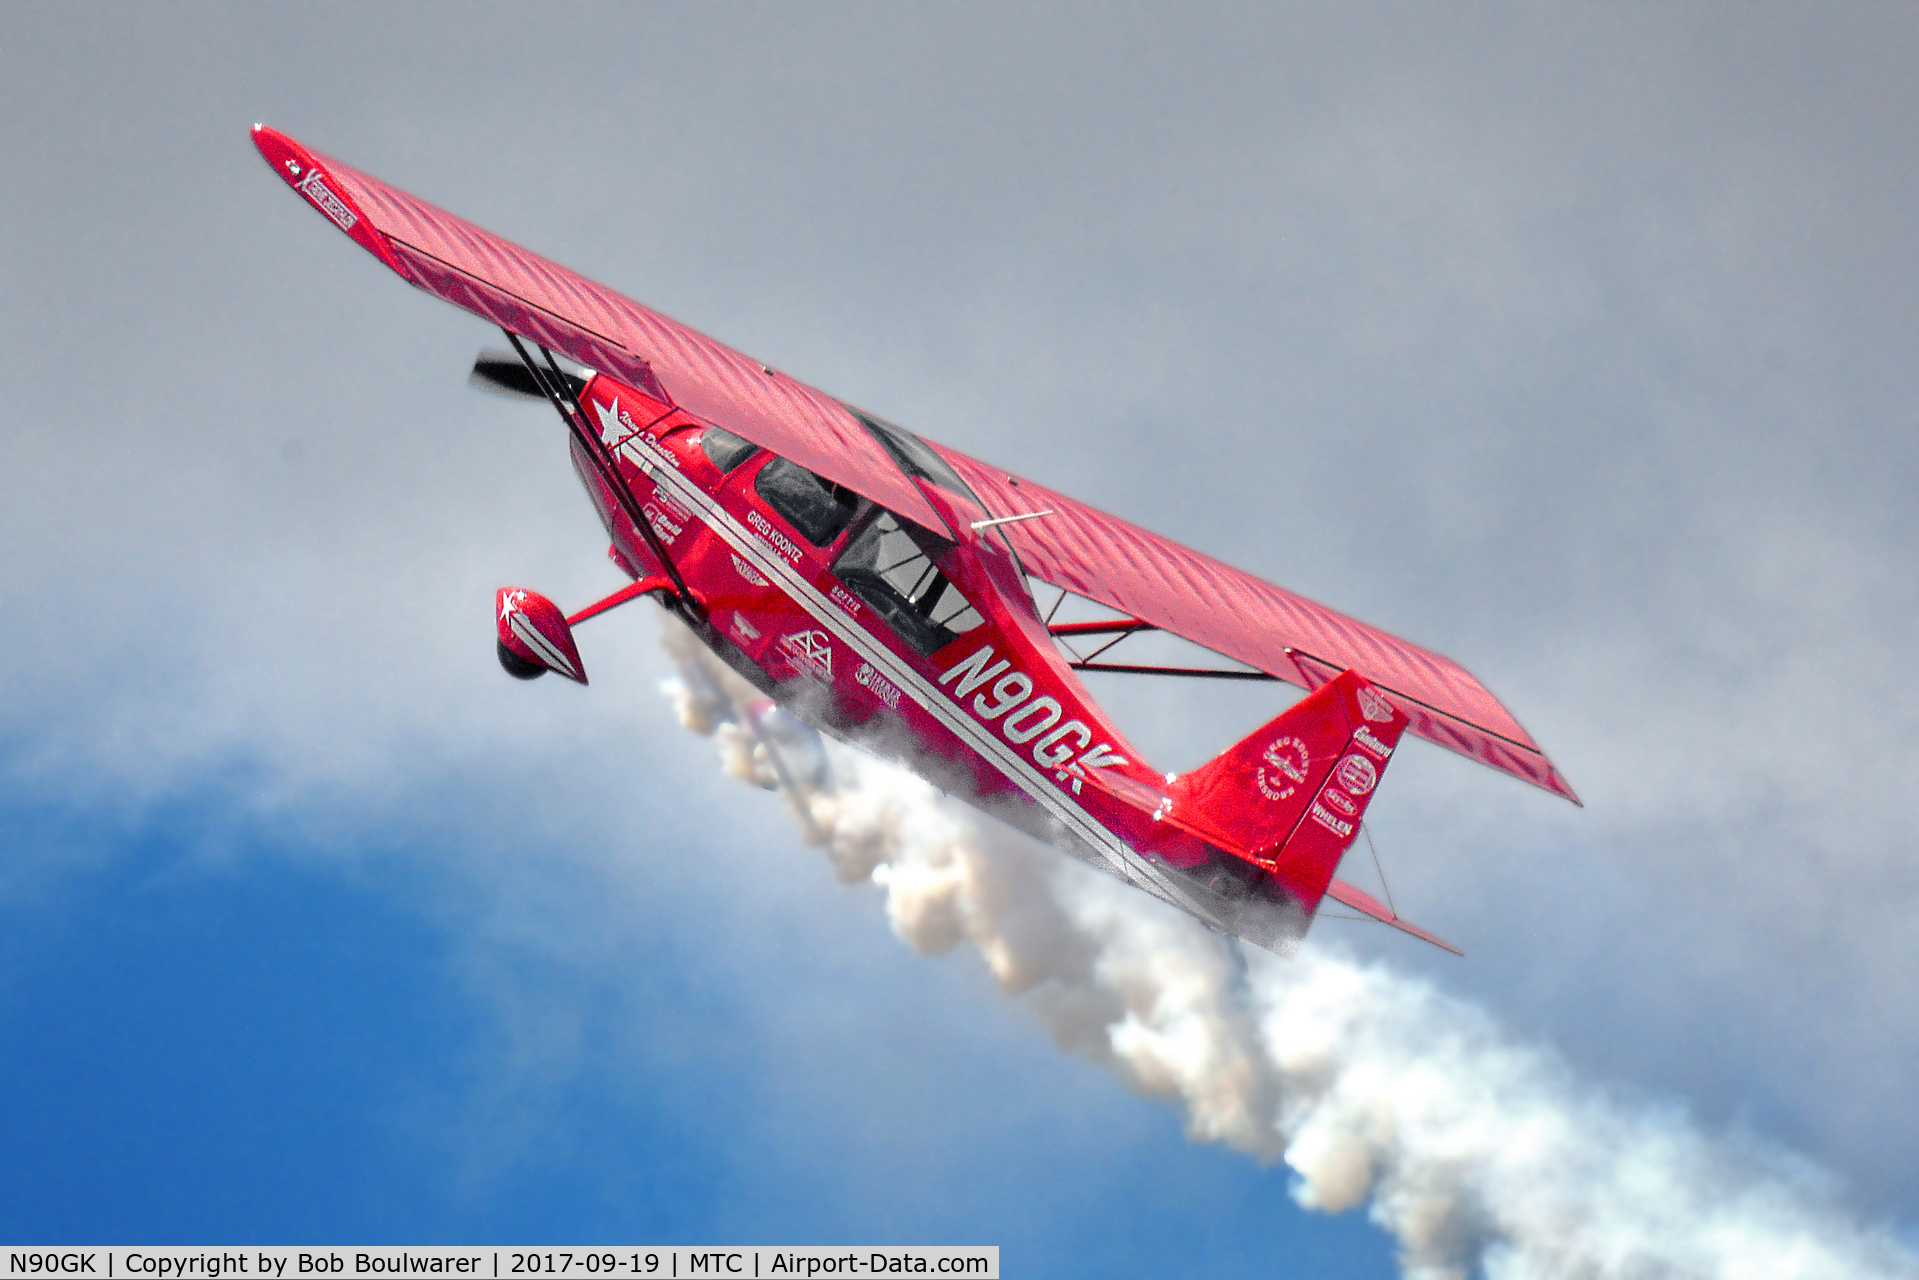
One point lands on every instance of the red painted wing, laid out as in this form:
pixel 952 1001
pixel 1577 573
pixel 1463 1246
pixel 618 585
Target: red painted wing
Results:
pixel 497 280
pixel 1084 550
pixel 1189 594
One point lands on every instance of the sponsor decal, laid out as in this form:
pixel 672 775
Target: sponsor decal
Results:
pixel 1328 821
pixel 1357 775
pixel 882 688
pixel 1363 736
pixel 617 424
pixel 1375 705
pixel 845 599
pixel 811 653
pixel 1004 695
pixel 1282 768
pixel 780 542
pixel 314 188
pixel 662 525
pixel 632 454
pixel 744 629
pixel 748 572
pixel 1340 801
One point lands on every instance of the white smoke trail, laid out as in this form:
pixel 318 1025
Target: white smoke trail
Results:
pixel 1479 1154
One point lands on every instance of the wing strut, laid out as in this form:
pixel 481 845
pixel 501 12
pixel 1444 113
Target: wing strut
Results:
pixel 1120 629
pixel 1199 673
pixel 603 463
pixel 801 809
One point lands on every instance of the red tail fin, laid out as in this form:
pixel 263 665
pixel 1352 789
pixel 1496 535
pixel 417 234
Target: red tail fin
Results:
pixel 1291 796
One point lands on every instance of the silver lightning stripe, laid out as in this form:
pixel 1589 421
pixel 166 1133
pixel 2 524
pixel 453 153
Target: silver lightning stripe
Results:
pixel 1123 860
pixel 533 640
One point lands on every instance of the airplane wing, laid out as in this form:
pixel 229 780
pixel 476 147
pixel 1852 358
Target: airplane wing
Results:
pixel 1155 580
pixel 1084 550
pixel 520 291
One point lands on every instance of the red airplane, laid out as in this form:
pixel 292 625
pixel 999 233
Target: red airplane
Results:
pixel 876 585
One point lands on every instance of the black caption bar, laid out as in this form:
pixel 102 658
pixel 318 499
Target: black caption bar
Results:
pixel 386 1262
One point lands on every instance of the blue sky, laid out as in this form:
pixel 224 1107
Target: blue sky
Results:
pixel 232 1043
pixel 1575 345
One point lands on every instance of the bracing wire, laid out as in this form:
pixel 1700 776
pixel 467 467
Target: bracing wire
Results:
pixel 1381 870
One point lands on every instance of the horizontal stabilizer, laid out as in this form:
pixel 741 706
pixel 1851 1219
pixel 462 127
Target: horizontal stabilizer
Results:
pixel 1366 904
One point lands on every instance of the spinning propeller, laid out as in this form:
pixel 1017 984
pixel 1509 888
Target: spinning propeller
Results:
pixel 504 374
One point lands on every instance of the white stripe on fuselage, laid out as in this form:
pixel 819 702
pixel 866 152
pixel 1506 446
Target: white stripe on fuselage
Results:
pixel 1126 862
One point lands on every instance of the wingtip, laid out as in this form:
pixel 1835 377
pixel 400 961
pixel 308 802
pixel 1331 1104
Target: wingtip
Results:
pixel 272 145
pixel 320 183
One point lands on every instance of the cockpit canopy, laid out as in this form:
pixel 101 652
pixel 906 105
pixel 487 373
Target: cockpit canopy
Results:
pixel 915 456
pixel 889 565
pixel 724 449
pixel 817 507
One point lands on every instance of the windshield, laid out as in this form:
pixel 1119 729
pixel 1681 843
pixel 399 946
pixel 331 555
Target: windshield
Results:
pixel 724 449
pixel 915 456
pixel 889 566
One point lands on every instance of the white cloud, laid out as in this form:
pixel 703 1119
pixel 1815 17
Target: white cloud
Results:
pixel 1475 1151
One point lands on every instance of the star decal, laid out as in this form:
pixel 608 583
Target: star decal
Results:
pixel 511 604
pixel 609 416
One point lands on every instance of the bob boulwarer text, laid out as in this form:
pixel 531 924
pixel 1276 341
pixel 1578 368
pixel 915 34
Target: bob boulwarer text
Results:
pixel 309 1264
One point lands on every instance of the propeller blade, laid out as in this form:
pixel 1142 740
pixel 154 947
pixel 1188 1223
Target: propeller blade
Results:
pixel 502 373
